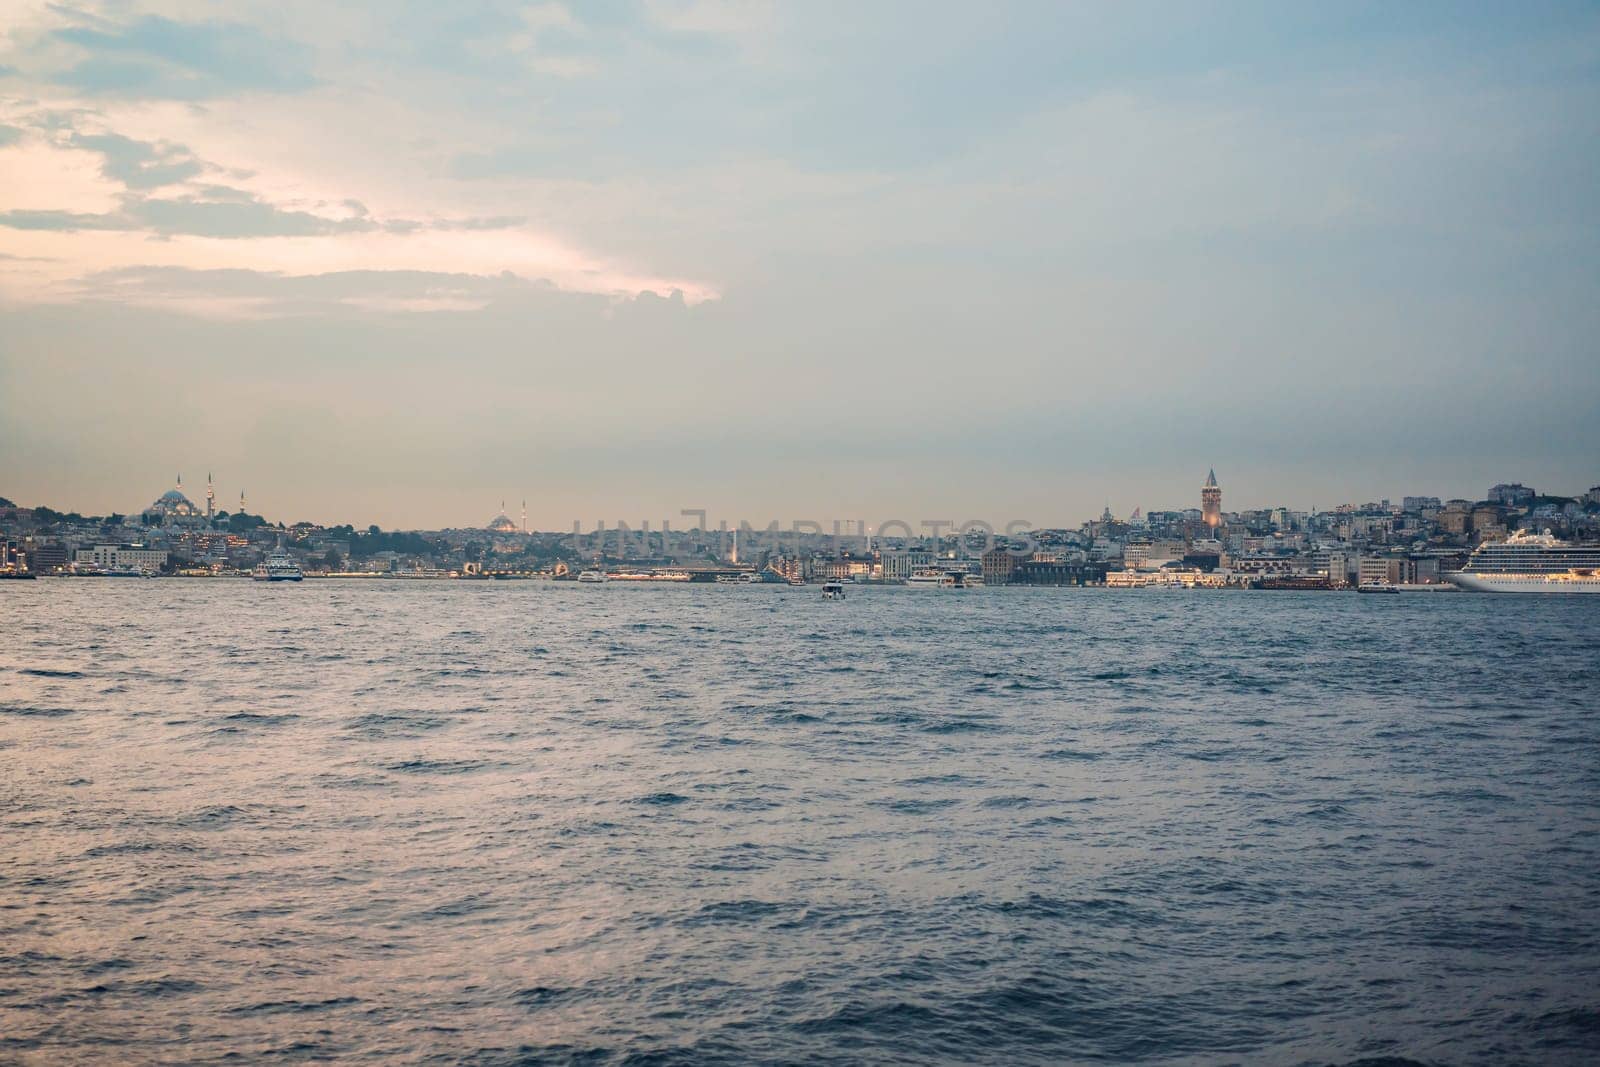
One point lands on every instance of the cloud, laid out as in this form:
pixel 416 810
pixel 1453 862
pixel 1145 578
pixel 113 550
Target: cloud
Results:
pixel 158 58
pixel 9 135
pixel 217 211
pixel 256 294
pixel 66 221
pixel 253 293
pixel 237 215
pixel 234 217
pixel 140 164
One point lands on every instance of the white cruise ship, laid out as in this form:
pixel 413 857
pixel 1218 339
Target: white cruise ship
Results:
pixel 278 567
pixel 1532 563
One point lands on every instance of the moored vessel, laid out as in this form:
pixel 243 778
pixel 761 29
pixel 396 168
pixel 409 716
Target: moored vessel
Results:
pixel 1531 563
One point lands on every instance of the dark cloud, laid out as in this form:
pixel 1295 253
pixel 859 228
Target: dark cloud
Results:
pixel 155 57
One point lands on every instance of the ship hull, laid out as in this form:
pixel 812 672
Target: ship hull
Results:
pixel 1525 583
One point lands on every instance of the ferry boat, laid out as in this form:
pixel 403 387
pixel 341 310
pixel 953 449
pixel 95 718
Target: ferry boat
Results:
pixel 1531 563
pixel 279 566
pixel 832 590
pixel 944 578
pixel 592 576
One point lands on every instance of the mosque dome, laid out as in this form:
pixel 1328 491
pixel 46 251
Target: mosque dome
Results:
pixel 501 523
pixel 174 505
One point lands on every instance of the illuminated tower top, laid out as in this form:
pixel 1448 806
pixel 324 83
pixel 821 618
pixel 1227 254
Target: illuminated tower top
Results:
pixel 1211 501
pixel 211 498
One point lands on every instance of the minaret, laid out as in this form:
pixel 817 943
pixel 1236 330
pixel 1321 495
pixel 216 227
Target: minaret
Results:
pixel 241 501
pixel 1211 501
pixel 211 499
pixel 524 514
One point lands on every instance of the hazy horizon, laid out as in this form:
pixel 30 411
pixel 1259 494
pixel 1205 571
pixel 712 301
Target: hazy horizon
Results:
pixel 393 263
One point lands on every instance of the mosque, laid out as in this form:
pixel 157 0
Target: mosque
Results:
pixel 173 508
pixel 503 524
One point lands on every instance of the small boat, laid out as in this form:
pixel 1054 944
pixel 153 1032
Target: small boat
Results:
pixel 592 576
pixel 832 590
pixel 1373 587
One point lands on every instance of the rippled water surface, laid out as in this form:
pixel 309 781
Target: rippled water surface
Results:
pixel 524 822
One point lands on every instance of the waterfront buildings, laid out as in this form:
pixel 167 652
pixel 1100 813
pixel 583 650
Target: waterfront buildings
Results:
pixel 1420 539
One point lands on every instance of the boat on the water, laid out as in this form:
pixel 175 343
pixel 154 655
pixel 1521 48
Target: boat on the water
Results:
pixel 1376 587
pixel 944 578
pixel 1531 563
pixel 592 576
pixel 279 566
pixel 832 590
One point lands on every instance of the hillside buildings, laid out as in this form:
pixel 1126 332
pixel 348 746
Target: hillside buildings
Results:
pixel 1419 540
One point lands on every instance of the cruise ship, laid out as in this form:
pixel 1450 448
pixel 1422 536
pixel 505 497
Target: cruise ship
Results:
pixel 278 567
pixel 1532 563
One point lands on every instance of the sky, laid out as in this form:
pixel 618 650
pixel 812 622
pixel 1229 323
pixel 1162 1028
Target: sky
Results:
pixel 396 262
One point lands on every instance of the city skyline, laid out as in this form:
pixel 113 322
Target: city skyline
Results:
pixel 1020 259
pixel 687 518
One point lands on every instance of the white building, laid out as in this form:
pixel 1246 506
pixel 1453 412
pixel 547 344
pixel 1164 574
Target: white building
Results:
pixel 107 557
pixel 900 564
